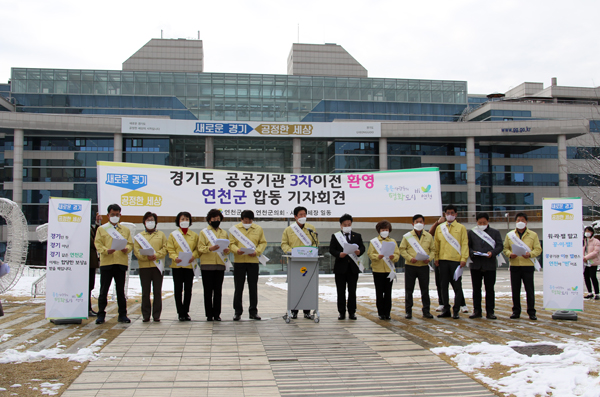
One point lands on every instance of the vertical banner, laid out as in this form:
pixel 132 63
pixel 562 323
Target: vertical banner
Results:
pixel 67 258
pixel 563 254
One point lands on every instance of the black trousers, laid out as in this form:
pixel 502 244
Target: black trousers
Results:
pixel 524 274
pixel 151 279
pixel 383 293
pixel 212 281
pixel 447 269
pixel 92 284
pixel 412 274
pixel 489 279
pixel 438 284
pixel 341 281
pixel 183 281
pixel 241 271
pixel 107 274
pixel 589 273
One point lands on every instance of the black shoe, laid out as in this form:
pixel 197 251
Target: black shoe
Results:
pixel 352 317
pixel 207 319
pixel 427 315
pixel 383 317
pixel 237 317
pixel 491 317
pixel 294 316
pixel 157 320
pixel 408 316
pixel 187 317
pixel 475 315
pixel 388 317
pixel 444 314
pixel 92 313
pixel 255 317
pixel 217 318
pixel 307 316
pixel 456 316
pixel 514 316
pixel 100 319
pixel 532 317
pixel 146 320
pixel 124 319
pixel 342 317
pixel 181 318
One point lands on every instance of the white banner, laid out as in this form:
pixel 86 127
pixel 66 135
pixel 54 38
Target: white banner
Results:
pixel 563 259
pixel 67 258
pixel 167 190
pixel 263 129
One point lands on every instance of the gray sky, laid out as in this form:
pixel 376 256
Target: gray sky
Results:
pixel 493 45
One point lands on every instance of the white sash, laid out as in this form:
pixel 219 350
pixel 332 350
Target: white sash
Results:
pixel 415 244
pixel 450 238
pixel 237 233
pixel 488 239
pixel 210 235
pixel 110 229
pixel 146 245
pixel 185 247
pixel 340 238
pixel 516 240
pixel 377 244
pixel 301 235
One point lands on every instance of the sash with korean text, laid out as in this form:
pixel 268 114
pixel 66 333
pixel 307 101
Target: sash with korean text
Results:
pixel 210 235
pixel 488 239
pixel 450 238
pixel 517 241
pixel 237 233
pixel 340 238
pixel 146 245
pixel 301 235
pixel 378 246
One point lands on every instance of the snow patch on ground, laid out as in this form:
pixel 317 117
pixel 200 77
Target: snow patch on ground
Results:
pixel 84 354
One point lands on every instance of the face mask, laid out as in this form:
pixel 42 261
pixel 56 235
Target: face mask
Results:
pixel 450 218
pixel 302 221
pixel 481 227
pixel 246 225
pixel 588 234
pixel 384 234
pixel 114 219
pixel 184 224
pixel 347 229
pixel 521 225
pixel 150 225
pixel 418 226
pixel 215 224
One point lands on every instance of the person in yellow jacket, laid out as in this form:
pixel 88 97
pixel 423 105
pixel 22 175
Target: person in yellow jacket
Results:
pixel 183 240
pixel 417 269
pixel 308 237
pixel 211 264
pixel 381 271
pixel 451 251
pixel 151 277
pixel 113 264
pixel 246 264
pixel 522 267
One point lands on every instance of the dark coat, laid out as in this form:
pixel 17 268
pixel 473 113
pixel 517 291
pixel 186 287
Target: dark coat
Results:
pixel 346 264
pixel 480 245
pixel 94 262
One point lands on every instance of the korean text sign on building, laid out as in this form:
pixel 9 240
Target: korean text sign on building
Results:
pixel 67 258
pixel 563 259
pixel 138 188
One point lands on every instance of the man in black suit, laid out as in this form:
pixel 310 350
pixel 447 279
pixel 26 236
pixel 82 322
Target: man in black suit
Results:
pixel 347 266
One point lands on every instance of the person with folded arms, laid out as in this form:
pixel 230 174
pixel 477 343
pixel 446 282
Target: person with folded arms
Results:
pixel 383 268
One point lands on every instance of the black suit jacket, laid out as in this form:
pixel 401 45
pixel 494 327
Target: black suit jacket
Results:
pixel 480 245
pixel 346 264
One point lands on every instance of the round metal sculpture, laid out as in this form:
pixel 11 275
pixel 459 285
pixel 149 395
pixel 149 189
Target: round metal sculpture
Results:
pixel 17 243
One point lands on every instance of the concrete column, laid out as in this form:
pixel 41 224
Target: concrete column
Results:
pixel 383 159
pixel 118 147
pixel 471 185
pixel 209 152
pixel 18 167
pixel 563 172
pixel 297 156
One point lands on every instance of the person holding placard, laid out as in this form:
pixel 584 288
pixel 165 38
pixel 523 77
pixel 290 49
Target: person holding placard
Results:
pixel 248 242
pixel 182 247
pixel 113 243
pixel 150 248
pixel 591 258
pixel 451 253
pixel 485 244
pixel 417 248
pixel 346 246
pixel 299 234
pixel 383 253
pixel 213 247
pixel 522 246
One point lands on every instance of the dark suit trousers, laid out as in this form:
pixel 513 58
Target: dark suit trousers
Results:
pixel 151 278
pixel 107 274
pixel 383 293
pixel 489 279
pixel 183 281
pixel 92 284
pixel 589 274
pixel 341 280
pixel 240 272
pixel 212 282
pixel 412 274
pixel 525 274
pixel 447 269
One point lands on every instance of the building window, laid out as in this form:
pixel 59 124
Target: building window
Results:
pixel 137 143
pixel 80 142
pixel 80 173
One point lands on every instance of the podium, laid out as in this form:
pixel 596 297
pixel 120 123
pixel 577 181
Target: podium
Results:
pixel 303 285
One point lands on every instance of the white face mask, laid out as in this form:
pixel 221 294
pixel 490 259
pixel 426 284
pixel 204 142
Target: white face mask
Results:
pixel 450 218
pixel 384 234
pixel 302 221
pixel 184 224
pixel 114 219
pixel 418 226
pixel 246 225
pixel 347 229
pixel 588 234
pixel 521 225
pixel 150 225
pixel 481 227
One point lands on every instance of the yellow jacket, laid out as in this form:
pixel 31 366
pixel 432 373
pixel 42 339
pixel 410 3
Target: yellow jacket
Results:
pixel 408 252
pixel 174 249
pixel 530 238
pixel 103 242
pixel 158 241
pixel 289 239
pixel 446 252
pixel 208 257
pixel 255 234
pixel 379 265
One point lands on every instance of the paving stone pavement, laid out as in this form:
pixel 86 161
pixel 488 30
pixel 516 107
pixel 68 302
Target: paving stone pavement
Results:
pixel 266 358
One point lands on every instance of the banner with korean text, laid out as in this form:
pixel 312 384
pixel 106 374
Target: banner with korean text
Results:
pixel 67 258
pixel 563 260
pixel 138 188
